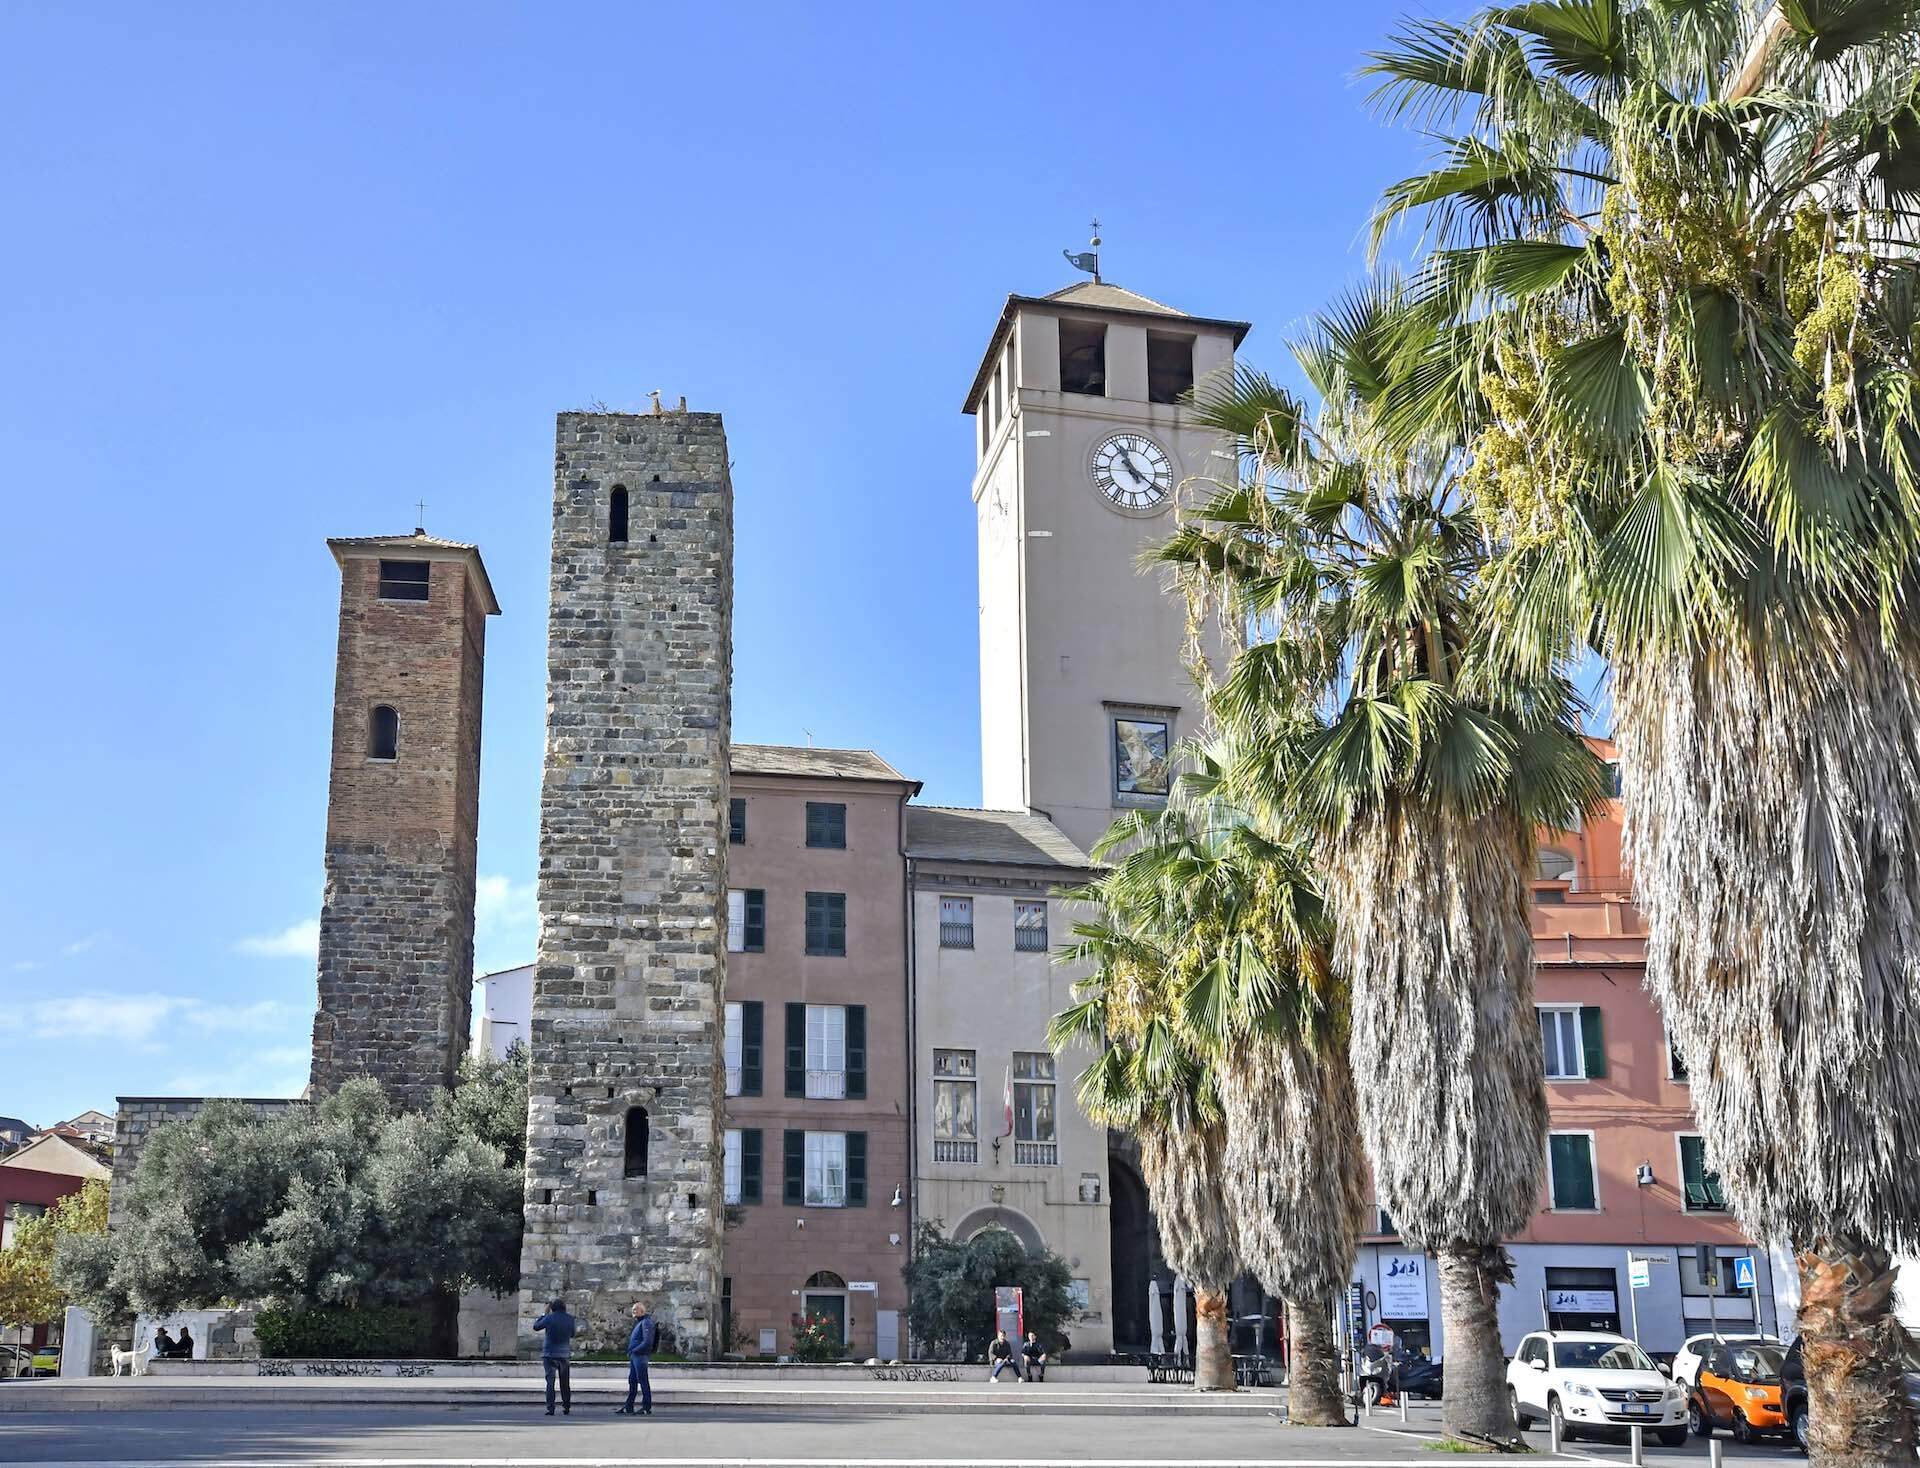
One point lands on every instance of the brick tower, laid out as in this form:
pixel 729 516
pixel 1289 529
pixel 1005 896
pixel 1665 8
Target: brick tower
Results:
pixel 623 1141
pixel 396 924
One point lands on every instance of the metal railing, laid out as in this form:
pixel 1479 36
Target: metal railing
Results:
pixel 830 1085
pixel 1029 940
pixel 956 935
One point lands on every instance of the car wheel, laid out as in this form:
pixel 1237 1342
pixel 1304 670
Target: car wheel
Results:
pixel 1559 1420
pixel 1742 1429
pixel 1520 1419
pixel 1698 1423
pixel 1797 1425
pixel 1673 1437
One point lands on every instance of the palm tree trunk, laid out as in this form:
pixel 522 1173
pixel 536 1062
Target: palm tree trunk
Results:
pixel 1313 1367
pixel 1212 1347
pixel 1475 1404
pixel 1856 1398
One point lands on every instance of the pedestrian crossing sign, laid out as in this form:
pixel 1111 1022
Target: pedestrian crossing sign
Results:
pixel 1743 1272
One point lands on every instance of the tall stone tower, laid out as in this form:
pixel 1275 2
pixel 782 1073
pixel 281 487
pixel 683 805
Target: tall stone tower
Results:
pixel 396 924
pixel 1082 447
pixel 623 1144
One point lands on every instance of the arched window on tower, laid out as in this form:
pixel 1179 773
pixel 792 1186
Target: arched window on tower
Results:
pixel 383 732
pixel 636 1141
pixel 617 516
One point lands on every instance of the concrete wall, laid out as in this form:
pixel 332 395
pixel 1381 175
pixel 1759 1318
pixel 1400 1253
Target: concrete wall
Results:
pixel 769 1256
pixel 994 1000
pixel 632 962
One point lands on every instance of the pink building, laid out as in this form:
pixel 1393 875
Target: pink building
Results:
pixel 1626 1177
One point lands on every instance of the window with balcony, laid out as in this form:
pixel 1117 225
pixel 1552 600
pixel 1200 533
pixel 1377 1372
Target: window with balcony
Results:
pixel 827 1051
pixel 1030 927
pixel 1036 1142
pixel 826 824
pixel 827 924
pixel 730 1167
pixel 1699 1186
pixel 956 922
pixel 956 1107
pixel 825 1169
pixel 1574 1184
pixel 746 920
pixel 741 1044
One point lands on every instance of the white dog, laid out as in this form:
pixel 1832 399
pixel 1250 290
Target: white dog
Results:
pixel 135 1361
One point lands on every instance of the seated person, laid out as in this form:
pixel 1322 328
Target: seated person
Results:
pixel 1036 1357
pixel 161 1345
pixel 183 1347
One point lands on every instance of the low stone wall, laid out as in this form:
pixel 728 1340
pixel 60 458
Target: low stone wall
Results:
pixel 717 1371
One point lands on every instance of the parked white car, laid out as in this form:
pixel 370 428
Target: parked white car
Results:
pixel 1593 1380
pixel 1693 1350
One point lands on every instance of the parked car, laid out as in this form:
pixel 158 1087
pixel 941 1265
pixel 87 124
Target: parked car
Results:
pixel 1592 1381
pixel 1793 1393
pixel 18 1361
pixel 46 1361
pixel 1738 1387
pixel 1693 1350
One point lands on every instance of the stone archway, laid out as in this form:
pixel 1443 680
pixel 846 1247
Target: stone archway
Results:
pixel 1135 1250
pixel 997 1215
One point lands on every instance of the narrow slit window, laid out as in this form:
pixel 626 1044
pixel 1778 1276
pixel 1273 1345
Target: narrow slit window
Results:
pixel 383 732
pixel 617 516
pixel 636 1141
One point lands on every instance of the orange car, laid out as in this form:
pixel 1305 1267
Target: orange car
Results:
pixel 1738 1387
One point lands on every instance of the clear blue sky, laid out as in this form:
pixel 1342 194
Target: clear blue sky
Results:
pixel 275 273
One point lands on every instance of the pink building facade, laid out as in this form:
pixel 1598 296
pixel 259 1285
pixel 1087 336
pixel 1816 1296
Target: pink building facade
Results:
pixel 1625 1175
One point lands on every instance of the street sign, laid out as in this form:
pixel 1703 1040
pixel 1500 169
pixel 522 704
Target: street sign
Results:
pixel 867 1286
pixel 1382 1336
pixel 1639 1273
pixel 1743 1276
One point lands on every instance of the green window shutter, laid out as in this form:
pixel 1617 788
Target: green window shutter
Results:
pixel 837 923
pixel 752 1042
pixel 795 1186
pixel 1701 1187
pixel 827 924
pixel 796 1050
pixel 1571 1159
pixel 826 824
pixel 1593 1041
pixel 856 1052
pixel 856 1169
pixel 750 1165
pixel 756 924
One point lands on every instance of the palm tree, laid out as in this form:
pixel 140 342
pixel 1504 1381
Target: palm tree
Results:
pixel 1424 773
pixel 1675 273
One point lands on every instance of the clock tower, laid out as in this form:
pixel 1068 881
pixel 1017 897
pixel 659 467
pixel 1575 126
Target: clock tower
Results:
pixel 1082 449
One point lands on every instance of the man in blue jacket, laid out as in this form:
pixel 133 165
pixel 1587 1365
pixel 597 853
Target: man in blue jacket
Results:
pixel 640 1343
pixel 557 1354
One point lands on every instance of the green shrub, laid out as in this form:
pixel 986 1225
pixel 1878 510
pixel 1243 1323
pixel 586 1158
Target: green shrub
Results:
pixel 334 1331
pixel 817 1338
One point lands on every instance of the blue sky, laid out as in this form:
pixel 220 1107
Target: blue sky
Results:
pixel 275 273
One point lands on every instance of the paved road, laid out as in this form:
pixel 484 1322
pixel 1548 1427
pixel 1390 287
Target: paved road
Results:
pixel 418 1436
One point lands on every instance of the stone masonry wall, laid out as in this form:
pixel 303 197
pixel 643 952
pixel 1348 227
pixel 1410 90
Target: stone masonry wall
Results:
pixel 396 923
pixel 630 976
pixel 139 1117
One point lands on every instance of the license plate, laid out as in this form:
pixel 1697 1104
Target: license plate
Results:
pixel 1639 1409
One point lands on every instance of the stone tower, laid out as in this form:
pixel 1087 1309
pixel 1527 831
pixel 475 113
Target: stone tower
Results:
pixel 396 923
pixel 623 1142
pixel 1083 445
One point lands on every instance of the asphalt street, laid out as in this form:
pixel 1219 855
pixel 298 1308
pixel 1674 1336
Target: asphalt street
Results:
pixel 438 1435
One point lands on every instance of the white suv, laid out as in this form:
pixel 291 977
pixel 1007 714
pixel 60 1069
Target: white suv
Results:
pixel 1593 1379
pixel 1696 1348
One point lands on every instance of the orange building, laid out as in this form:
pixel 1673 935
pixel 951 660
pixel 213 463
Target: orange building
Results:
pixel 1625 1175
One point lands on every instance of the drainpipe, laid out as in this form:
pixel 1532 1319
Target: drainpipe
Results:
pixel 912 1188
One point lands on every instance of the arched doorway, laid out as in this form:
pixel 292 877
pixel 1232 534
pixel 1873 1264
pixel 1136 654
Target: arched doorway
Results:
pixel 1130 1226
pixel 825 1293
pixel 1012 1220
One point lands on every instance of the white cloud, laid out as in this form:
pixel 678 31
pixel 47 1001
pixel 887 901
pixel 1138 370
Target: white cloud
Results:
pixel 25 966
pixel 279 1070
pixel 82 945
pixel 501 904
pixel 137 1019
pixel 302 940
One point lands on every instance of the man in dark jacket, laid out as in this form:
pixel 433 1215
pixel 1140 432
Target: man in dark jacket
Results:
pixel 640 1343
pixel 1001 1354
pixel 557 1354
pixel 1035 1357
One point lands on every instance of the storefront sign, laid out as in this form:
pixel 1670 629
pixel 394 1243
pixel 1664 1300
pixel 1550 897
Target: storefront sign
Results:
pixel 867 1285
pixel 1581 1302
pixel 1403 1286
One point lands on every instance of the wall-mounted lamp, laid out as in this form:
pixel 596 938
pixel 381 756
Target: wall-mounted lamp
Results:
pixel 1644 1177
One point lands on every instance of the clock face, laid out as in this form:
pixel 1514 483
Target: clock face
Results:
pixel 1133 472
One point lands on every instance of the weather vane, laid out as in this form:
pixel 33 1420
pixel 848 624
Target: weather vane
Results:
pixel 1087 260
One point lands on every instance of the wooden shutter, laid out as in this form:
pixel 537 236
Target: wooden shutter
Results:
pixel 856 1052
pixel 750 1165
pixel 756 920
pixel 752 1042
pixel 796 1049
pixel 794 1189
pixel 856 1169
pixel 1571 1161
pixel 1593 1041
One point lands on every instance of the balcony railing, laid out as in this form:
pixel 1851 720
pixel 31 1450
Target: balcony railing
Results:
pixel 1036 1154
pixel 733 1080
pixel 1029 940
pixel 956 935
pixel 950 1151
pixel 829 1085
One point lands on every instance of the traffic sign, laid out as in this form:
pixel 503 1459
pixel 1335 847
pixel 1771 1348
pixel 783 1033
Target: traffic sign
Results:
pixel 1639 1273
pixel 1743 1277
pixel 1382 1336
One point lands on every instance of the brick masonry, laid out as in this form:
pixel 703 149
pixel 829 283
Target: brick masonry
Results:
pixel 631 969
pixel 396 923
